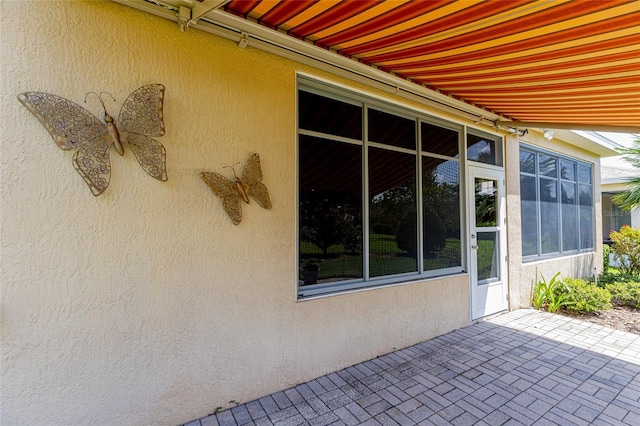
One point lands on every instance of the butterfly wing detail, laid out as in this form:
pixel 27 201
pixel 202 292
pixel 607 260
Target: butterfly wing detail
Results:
pixel 141 116
pixel 150 154
pixel 91 161
pixel 73 127
pixel 259 193
pixel 252 180
pixel 68 123
pixel 141 112
pixel 225 189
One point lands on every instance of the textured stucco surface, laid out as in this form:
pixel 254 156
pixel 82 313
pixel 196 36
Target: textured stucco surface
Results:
pixel 146 305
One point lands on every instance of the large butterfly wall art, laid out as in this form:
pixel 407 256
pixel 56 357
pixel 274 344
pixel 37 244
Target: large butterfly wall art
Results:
pixel 232 192
pixel 73 127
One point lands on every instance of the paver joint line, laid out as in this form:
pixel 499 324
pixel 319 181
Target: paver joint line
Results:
pixel 523 367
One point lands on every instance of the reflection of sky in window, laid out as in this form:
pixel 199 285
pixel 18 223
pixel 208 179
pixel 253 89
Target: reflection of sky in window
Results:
pixel 479 149
pixel 584 173
pixel 486 187
pixel 448 172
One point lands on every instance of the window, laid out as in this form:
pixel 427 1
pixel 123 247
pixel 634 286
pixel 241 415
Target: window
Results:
pixel 613 217
pixel 378 193
pixel 556 200
pixel 484 149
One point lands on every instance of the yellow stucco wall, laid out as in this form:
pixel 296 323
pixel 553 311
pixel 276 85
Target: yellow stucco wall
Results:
pixel 146 305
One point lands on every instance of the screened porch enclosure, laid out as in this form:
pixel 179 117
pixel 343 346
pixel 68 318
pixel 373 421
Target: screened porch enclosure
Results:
pixel 379 191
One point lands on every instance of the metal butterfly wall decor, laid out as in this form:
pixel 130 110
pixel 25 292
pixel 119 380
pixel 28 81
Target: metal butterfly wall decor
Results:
pixel 73 127
pixel 231 192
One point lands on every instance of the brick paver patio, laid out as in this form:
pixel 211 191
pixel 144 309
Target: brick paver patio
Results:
pixel 522 368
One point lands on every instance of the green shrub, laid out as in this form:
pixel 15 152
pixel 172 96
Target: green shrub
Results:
pixel 613 275
pixel 625 293
pixel 626 249
pixel 606 258
pixel 550 295
pixel 585 297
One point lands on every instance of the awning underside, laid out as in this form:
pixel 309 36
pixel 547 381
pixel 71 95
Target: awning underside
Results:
pixel 553 61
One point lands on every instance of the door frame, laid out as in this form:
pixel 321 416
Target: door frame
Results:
pixel 490 296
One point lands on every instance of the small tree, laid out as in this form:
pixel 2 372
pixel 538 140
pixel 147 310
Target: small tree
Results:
pixel 319 218
pixel 626 249
pixel 631 198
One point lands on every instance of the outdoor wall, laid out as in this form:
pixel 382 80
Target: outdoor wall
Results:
pixel 146 305
pixel 522 276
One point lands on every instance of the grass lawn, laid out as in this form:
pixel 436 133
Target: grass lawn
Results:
pixel 385 259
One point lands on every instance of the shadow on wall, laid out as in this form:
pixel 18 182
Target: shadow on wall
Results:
pixel 585 266
pixel 581 266
pixel 509 368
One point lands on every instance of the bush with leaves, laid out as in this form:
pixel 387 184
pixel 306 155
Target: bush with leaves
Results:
pixel 606 258
pixel 626 249
pixel 551 294
pixel 614 275
pixel 625 293
pixel 582 296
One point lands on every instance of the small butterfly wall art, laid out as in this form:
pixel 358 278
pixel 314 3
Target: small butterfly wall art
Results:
pixel 231 192
pixel 73 127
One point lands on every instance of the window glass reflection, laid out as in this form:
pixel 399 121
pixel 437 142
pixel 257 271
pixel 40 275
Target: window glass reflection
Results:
pixel 326 115
pixel 568 170
pixel 586 215
pixel 391 129
pixel 349 185
pixel 569 217
pixel 487 254
pixel 330 211
pixel 486 201
pixel 393 221
pixel 547 165
pixel 549 220
pixel 527 162
pixel 439 140
pixel 529 215
pixel 557 216
pixel 584 174
pixel 484 150
pixel 441 213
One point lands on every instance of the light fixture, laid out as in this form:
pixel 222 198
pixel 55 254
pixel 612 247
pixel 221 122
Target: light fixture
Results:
pixel 548 134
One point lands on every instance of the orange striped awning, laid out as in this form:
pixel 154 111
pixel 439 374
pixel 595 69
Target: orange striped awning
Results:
pixel 564 61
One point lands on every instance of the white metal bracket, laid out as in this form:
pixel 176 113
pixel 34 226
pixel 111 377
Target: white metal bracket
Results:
pixel 184 18
pixel 244 40
pixel 195 9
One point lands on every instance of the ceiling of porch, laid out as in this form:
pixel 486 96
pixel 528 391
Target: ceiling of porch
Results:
pixel 545 61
